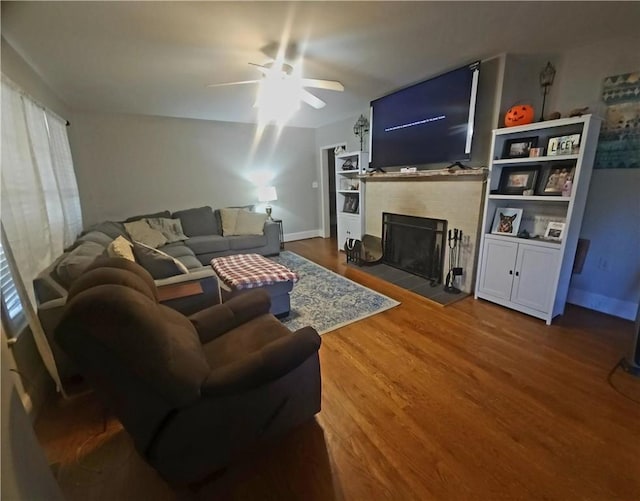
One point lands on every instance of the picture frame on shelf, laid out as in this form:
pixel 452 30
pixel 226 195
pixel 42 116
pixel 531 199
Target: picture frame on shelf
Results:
pixel 351 204
pixel 350 165
pixel 554 231
pixel 519 148
pixel 557 180
pixel 518 179
pixel 564 145
pixel 506 221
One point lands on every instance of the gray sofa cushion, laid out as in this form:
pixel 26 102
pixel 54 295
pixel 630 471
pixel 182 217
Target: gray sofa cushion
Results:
pixel 111 228
pixel 164 213
pixel 97 237
pixel 198 222
pixel 156 262
pixel 77 261
pixel 191 262
pixel 242 242
pixel 177 249
pixel 183 254
pixel 208 243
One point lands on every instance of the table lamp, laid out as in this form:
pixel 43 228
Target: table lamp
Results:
pixel 267 194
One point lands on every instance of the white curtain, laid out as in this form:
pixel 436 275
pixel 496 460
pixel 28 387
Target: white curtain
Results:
pixel 40 204
pixel 65 177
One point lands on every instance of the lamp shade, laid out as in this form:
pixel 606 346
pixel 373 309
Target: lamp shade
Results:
pixel 267 194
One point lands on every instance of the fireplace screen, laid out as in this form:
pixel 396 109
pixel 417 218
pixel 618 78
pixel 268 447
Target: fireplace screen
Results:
pixel 414 244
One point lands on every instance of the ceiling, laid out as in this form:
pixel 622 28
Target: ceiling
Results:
pixel 156 58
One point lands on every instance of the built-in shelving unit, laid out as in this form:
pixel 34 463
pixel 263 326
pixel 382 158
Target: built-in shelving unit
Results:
pixel 532 274
pixel 350 197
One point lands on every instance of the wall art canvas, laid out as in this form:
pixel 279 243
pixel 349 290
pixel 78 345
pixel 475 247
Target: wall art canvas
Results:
pixel 619 141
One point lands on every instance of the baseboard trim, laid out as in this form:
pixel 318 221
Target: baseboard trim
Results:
pixel 604 304
pixel 302 235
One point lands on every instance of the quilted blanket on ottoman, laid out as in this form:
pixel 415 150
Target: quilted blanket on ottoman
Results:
pixel 247 271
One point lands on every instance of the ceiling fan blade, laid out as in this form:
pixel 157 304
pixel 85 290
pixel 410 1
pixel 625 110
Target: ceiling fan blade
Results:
pixel 262 69
pixel 323 84
pixel 312 100
pixel 233 83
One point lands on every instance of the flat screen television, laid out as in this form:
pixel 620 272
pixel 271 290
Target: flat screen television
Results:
pixel 429 122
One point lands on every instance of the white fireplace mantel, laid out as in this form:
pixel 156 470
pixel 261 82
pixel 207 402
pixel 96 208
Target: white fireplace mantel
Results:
pixel 428 175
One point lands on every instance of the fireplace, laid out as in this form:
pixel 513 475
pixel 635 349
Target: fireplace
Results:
pixel 414 244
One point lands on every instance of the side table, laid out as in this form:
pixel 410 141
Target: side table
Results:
pixel 279 221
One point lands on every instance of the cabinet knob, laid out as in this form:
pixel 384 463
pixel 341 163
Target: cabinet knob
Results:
pixel 517 273
pixel 510 272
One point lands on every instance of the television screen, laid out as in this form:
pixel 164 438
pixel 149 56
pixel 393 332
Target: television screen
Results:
pixel 428 122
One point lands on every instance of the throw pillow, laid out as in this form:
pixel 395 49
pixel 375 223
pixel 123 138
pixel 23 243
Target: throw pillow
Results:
pixel 250 223
pixel 170 228
pixel 121 247
pixel 198 222
pixel 229 218
pixel 140 231
pixel 156 262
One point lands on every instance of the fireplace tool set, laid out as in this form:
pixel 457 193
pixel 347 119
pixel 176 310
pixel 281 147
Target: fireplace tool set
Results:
pixel 455 270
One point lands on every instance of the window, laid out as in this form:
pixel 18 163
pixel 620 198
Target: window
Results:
pixel 40 207
pixel 12 312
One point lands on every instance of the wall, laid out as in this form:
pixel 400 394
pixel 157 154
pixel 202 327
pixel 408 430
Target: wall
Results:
pixel 610 279
pixel 130 164
pixel 30 82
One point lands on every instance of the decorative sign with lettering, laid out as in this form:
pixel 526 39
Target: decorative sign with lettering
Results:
pixel 564 145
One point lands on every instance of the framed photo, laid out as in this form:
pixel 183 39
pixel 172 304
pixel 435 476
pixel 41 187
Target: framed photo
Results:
pixel 506 221
pixel 557 180
pixel 351 204
pixel 519 148
pixel 554 231
pixel 564 145
pixel 515 180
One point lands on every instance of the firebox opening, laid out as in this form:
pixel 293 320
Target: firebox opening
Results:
pixel 414 244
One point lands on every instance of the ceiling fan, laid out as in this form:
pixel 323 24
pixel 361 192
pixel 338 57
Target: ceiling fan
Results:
pixel 279 72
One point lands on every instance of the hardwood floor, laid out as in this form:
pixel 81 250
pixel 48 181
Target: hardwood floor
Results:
pixel 468 401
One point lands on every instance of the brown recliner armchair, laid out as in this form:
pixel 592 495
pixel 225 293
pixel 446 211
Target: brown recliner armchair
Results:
pixel 193 391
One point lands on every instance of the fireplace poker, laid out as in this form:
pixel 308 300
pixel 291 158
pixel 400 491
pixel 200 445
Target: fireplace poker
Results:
pixel 454 241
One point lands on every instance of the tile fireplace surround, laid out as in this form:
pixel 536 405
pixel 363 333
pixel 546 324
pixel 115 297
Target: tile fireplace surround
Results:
pixel 457 197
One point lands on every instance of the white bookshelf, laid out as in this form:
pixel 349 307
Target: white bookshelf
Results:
pixel 350 199
pixel 532 274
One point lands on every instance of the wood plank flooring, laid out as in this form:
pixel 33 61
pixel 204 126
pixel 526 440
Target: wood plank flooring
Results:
pixel 468 401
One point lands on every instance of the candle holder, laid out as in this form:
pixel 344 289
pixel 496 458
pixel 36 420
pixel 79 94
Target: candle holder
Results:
pixel 547 75
pixel 360 129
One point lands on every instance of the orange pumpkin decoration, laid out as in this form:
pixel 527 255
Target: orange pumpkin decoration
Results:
pixel 520 114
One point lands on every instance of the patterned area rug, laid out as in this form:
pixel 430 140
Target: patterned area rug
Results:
pixel 326 300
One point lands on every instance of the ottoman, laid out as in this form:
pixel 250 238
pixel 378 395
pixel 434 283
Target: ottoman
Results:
pixel 242 272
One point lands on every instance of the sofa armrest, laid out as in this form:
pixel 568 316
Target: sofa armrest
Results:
pixel 216 320
pixel 50 314
pixel 273 361
pixel 197 274
pixel 191 292
pixel 272 232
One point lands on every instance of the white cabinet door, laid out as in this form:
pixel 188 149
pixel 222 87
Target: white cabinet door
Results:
pixel 533 282
pixel 349 226
pixel 497 268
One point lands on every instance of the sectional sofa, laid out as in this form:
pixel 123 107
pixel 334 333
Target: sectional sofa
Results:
pixel 206 235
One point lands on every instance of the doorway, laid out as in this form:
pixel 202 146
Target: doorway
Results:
pixel 328 164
